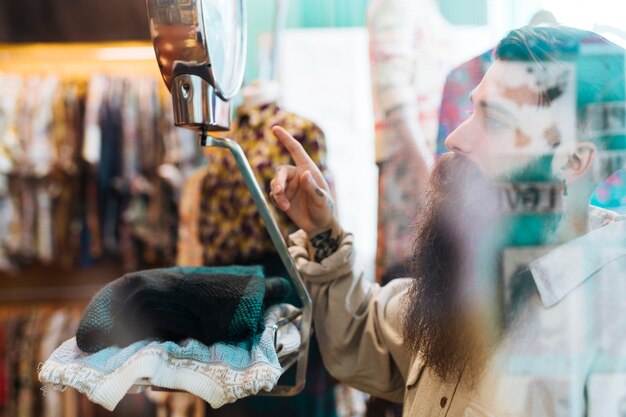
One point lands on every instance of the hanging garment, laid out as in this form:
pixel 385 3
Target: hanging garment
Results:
pixel 54 207
pixel 28 335
pixel 456 106
pixel 228 225
pixel 71 397
pixel 53 405
pixel 160 398
pixel 350 402
pixel 412 47
pixel 27 397
pixel 89 169
pixel 13 332
pixel 219 374
pixel 611 194
pixel 189 248
pixel 181 404
pixel 398 206
pixel 151 208
pixel 65 187
pixel 209 304
pixel 3 373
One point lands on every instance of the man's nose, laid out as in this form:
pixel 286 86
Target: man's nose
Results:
pixel 462 140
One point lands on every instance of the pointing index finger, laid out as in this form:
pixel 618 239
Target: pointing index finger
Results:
pixel 294 147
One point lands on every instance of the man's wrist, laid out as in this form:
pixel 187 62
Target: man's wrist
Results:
pixel 324 242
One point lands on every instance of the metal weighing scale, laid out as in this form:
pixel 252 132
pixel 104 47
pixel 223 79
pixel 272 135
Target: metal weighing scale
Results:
pixel 200 47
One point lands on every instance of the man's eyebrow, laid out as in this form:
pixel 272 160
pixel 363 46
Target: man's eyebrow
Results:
pixel 495 108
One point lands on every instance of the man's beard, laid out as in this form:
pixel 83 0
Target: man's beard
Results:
pixel 440 323
pixel 453 315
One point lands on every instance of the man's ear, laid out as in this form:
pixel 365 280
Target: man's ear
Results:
pixel 578 162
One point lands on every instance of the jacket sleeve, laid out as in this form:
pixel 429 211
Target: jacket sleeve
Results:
pixel 357 322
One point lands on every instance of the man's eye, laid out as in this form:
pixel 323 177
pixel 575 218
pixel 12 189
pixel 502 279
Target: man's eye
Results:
pixel 496 123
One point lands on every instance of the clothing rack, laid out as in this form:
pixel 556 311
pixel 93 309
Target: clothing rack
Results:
pixel 76 65
pixel 81 62
pixel 29 333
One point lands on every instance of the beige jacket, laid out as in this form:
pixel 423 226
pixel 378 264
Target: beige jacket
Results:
pixel 564 355
pixel 357 324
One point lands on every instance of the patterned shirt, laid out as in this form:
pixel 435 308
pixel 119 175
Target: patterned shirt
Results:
pixel 220 223
pixel 455 103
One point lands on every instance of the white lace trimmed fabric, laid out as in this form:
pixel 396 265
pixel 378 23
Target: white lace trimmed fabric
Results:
pixel 219 374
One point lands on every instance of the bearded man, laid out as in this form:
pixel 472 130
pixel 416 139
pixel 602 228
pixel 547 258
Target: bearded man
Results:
pixel 459 339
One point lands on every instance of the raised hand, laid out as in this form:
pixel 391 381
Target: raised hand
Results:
pixel 301 191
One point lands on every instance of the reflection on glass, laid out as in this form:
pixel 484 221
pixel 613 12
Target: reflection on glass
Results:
pixel 224 28
pixel 201 37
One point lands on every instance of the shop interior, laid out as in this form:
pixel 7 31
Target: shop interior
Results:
pixel 96 181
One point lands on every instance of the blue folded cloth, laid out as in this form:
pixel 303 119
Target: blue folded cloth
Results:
pixel 219 374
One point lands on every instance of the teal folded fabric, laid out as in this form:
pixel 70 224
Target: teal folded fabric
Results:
pixel 210 304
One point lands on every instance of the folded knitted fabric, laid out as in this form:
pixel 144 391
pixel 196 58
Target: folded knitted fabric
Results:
pixel 219 374
pixel 211 305
pixel 276 290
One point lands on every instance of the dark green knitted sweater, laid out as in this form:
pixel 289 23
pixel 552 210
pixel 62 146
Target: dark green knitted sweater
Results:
pixel 207 304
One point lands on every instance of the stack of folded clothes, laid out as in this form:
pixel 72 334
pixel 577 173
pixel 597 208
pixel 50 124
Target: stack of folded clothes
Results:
pixel 208 331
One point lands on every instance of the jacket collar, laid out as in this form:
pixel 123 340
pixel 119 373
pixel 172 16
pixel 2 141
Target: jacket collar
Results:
pixel 567 266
